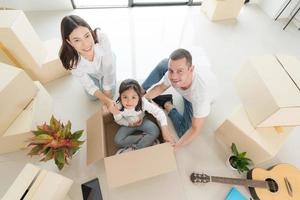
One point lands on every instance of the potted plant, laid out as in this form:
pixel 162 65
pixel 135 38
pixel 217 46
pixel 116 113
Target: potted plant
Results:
pixel 55 141
pixel 239 161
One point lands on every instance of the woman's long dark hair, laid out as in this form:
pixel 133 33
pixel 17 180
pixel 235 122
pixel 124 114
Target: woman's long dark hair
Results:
pixel 67 54
pixel 131 84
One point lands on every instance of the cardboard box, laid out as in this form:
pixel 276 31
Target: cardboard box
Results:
pixel 36 184
pixel 12 100
pixel 268 87
pixel 37 112
pixel 39 60
pixel 217 10
pixel 101 130
pixel 261 144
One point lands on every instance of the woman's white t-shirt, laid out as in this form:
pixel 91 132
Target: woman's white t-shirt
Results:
pixel 102 67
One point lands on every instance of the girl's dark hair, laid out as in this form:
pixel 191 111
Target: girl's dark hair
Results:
pixel 67 54
pixel 131 84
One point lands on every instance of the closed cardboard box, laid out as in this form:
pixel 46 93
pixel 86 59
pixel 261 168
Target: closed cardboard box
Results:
pixel 34 183
pixel 37 112
pixel 268 87
pixel 16 91
pixel 261 144
pixel 39 59
pixel 217 10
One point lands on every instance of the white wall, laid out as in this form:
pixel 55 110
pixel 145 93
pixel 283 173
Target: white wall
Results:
pixel 37 5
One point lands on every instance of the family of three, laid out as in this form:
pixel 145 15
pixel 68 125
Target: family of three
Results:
pixel 88 54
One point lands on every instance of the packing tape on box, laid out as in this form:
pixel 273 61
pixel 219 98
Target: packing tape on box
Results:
pixel 9 55
pixel 279 129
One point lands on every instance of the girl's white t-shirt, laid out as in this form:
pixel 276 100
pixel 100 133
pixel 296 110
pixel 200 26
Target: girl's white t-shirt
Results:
pixel 102 67
pixel 131 116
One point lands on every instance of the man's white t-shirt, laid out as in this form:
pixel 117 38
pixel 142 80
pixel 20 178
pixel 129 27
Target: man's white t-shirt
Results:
pixel 202 91
pixel 102 67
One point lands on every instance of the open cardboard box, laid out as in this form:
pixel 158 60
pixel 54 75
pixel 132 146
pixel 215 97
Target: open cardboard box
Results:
pixel 269 88
pixel 128 167
pixel 37 112
pixel 12 100
pixel 261 144
pixel 34 183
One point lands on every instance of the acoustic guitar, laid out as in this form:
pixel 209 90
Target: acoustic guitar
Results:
pixel 280 182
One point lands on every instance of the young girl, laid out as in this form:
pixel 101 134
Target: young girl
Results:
pixel 132 107
pixel 88 55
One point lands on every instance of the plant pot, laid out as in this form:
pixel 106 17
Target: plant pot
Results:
pixel 229 161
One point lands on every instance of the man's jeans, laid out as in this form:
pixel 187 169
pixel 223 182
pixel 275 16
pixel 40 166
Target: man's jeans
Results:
pixel 181 122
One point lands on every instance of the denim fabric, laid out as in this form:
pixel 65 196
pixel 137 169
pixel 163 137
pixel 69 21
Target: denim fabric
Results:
pixel 125 136
pixel 181 122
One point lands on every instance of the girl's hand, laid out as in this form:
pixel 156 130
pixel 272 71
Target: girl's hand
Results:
pixel 138 123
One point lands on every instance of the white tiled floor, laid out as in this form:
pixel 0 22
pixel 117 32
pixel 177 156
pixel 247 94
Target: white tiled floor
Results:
pixel 140 37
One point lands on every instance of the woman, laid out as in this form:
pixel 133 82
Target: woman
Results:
pixel 87 53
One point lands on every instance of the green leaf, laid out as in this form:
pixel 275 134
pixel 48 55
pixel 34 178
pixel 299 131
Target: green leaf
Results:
pixel 60 158
pixel 76 135
pixel 73 150
pixel 40 132
pixel 35 150
pixel 234 149
pixel 54 124
pixel 43 138
pixel 67 130
pixel 48 156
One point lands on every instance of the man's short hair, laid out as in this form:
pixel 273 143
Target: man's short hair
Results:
pixel 181 53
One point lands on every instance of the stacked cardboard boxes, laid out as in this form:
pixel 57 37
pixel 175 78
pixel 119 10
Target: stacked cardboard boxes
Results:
pixel 217 10
pixel 34 183
pixel 20 45
pixel 269 88
pixel 24 104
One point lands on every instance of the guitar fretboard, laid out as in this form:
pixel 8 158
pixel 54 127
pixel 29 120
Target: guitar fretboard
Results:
pixel 238 181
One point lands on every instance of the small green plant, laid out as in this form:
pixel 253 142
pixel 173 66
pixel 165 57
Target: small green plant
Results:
pixel 239 160
pixel 55 141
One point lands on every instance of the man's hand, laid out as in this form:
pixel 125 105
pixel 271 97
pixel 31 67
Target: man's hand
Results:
pixel 168 137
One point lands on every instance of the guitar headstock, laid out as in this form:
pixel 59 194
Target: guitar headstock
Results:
pixel 200 178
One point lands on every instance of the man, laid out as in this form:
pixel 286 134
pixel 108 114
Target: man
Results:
pixel 195 86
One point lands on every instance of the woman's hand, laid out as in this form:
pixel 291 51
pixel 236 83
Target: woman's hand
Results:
pixel 113 108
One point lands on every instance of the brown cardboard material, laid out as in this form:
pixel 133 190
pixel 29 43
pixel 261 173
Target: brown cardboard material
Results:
pixel 101 130
pixel 12 101
pixel 39 59
pixel 133 166
pixel 217 10
pixel 37 112
pixel 40 180
pixel 268 87
pixel 261 144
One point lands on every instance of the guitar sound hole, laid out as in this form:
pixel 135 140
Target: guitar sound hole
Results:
pixel 273 186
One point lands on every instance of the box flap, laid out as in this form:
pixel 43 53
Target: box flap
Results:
pixel 95 138
pixel 141 164
pixel 278 82
pixel 292 66
pixel 21 183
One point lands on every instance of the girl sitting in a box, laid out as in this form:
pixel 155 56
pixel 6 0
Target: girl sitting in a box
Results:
pixel 132 106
